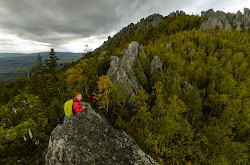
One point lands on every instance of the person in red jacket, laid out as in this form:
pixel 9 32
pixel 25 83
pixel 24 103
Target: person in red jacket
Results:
pixel 76 103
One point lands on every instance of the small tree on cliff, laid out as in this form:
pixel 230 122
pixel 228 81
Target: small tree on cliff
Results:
pixel 105 88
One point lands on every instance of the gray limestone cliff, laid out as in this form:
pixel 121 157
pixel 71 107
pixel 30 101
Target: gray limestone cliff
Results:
pixel 121 68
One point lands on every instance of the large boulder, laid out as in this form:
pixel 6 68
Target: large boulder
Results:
pixel 88 139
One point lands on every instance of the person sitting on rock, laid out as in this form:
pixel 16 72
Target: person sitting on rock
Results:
pixel 76 103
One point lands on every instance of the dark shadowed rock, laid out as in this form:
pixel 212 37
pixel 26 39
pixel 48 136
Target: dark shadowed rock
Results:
pixel 87 139
pixel 156 64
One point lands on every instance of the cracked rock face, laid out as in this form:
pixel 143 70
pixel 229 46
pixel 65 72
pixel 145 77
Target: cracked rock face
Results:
pixel 87 139
pixel 226 20
pixel 121 68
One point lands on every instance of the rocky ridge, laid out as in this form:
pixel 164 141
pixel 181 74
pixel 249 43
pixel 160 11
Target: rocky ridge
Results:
pixel 152 20
pixel 214 19
pixel 227 21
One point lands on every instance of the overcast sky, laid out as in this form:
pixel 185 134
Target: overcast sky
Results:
pixel 28 26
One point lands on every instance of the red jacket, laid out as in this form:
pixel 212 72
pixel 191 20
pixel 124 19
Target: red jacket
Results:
pixel 77 107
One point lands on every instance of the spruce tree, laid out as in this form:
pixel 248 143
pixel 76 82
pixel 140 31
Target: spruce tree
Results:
pixel 51 63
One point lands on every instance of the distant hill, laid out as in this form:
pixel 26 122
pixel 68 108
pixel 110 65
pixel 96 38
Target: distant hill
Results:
pixel 13 65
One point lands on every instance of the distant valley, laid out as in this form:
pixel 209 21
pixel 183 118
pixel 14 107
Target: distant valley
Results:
pixel 13 65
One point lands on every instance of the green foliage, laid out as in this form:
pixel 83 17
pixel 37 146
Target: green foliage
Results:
pixel 197 111
pixel 17 117
pixel 30 104
pixel 17 138
pixel 105 89
pixel 140 69
pixel 82 77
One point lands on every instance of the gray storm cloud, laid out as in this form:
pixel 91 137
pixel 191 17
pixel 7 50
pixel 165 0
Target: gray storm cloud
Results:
pixel 57 20
pixel 60 21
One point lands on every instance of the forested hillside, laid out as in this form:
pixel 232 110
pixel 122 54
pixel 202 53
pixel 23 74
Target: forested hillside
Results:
pixel 195 110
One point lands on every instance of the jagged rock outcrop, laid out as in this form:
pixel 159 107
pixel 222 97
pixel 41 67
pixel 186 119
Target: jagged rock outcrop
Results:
pixel 87 139
pixel 121 68
pixel 226 20
pixel 177 13
pixel 156 65
pixel 150 21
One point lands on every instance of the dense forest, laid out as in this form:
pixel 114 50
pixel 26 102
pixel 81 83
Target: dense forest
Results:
pixel 195 111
